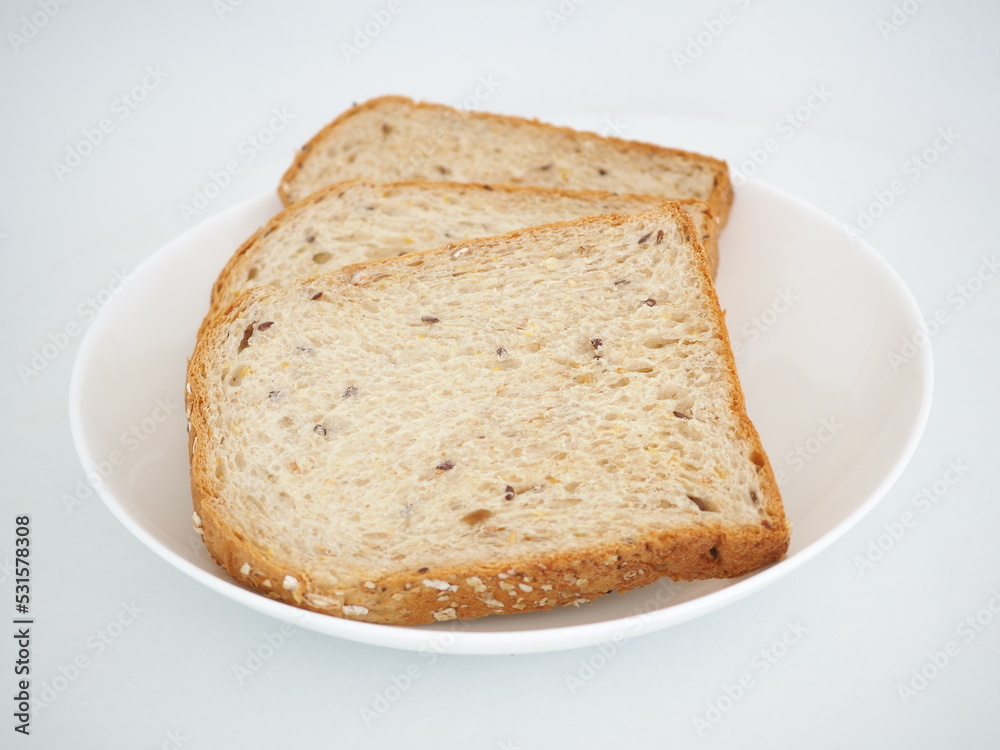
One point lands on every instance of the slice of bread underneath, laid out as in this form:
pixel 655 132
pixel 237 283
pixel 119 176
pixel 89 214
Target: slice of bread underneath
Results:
pixel 498 426
pixel 392 138
pixel 357 221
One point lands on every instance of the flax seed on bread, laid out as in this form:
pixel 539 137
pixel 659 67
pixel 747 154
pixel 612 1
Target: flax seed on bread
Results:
pixel 393 138
pixel 360 220
pixel 501 425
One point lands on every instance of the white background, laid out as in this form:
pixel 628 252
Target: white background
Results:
pixel 894 75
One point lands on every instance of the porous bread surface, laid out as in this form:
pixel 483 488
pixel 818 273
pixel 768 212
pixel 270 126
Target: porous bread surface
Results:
pixel 393 138
pixel 502 425
pixel 358 221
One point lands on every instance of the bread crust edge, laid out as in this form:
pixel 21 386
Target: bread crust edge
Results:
pixel 720 198
pixel 222 289
pixel 709 550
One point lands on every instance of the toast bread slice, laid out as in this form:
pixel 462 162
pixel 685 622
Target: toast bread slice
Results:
pixel 357 221
pixel 502 425
pixel 393 138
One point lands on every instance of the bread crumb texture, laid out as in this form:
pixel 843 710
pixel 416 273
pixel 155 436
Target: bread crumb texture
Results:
pixel 546 417
pixel 357 221
pixel 394 138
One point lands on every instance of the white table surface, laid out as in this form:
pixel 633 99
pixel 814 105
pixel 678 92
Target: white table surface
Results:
pixel 165 661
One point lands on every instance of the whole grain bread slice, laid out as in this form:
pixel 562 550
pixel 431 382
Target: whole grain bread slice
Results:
pixel 359 220
pixel 393 138
pixel 502 425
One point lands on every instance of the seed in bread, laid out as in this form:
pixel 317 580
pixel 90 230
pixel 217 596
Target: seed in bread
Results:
pixel 392 138
pixel 358 221
pixel 503 425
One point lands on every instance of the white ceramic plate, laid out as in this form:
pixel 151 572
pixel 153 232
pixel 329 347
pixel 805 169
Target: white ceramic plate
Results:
pixel 813 317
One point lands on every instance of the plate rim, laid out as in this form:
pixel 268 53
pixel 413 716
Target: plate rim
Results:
pixel 558 638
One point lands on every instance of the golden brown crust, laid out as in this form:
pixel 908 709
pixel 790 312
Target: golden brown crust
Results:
pixel 720 199
pixel 437 594
pixel 709 549
pixel 773 506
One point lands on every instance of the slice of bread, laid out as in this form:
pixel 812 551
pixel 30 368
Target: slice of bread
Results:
pixel 504 425
pixel 393 138
pixel 358 221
